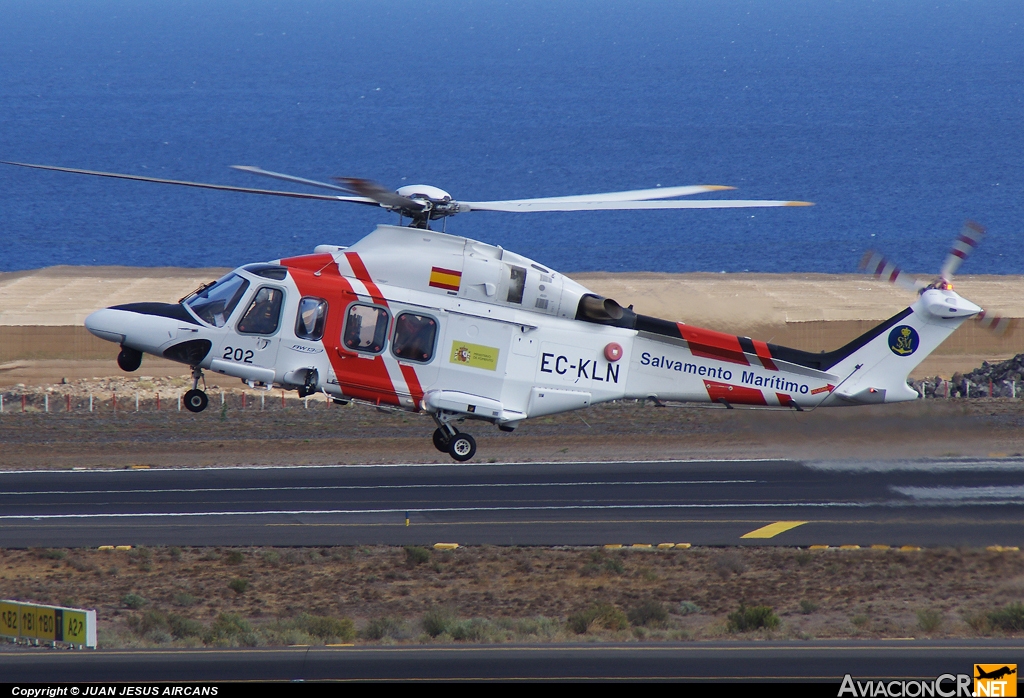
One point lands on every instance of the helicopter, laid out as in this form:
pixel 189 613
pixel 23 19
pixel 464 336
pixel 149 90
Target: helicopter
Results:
pixel 416 319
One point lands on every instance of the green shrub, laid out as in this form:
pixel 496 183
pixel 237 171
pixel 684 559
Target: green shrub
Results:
pixel 134 601
pixel 182 627
pixel 185 599
pixel 614 565
pixel 238 585
pixel 146 622
pixel 929 620
pixel 235 557
pixel 807 607
pixel 416 555
pixel 687 608
pixel 1009 618
pixel 437 621
pixel 231 628
pixel 380 628
pixel 753 618
pixel 469 630
pixel 728 564
pixel 649 613
pixel 327 628
pixel 602 615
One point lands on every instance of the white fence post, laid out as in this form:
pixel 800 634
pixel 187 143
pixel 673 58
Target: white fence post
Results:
pixel 46 403
pixel 90 402
pixel 136 400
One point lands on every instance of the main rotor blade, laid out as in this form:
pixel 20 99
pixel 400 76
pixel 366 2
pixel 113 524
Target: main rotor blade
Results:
pixel 970 235
pixel 288 178
pixel 384 197
pixel 635 195
pixel 536 206
pixel 881 268
pixel 199 185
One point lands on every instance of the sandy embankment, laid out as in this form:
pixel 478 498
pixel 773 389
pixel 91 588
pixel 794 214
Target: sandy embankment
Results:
pixel 42 338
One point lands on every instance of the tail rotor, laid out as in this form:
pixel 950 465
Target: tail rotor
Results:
pixel 965 243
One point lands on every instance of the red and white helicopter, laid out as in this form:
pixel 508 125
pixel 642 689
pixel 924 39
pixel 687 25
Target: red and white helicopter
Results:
pixel 424 321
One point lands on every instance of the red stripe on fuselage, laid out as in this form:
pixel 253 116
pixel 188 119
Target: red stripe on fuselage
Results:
pixel 359 269
pixel 734 394
pixel 709 344
pixel 362 378
pixel 765 355
pixel 408 372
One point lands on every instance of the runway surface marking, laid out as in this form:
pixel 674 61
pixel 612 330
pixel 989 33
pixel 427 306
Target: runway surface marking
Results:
pixel 435 510
pixel 447 510
pixel 772 530
pixel 1006 493
pixel 217 468
pixel 384 487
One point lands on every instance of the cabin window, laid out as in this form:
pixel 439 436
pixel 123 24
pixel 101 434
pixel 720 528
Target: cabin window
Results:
pixel 215 304
pixel 264 312
pixel 414 337
pixel 516 284
pixel 366 328
pixel 312 318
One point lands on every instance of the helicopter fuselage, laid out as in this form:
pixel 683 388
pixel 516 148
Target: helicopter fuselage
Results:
pixel 424 321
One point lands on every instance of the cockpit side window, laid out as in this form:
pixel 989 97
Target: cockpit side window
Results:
pixel 366 328
pixel 516 284
pixel 311 319
pixel 215 304
pixel 414 337
pixel 264 312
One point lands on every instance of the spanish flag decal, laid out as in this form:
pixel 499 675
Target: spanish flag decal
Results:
pixel 445 278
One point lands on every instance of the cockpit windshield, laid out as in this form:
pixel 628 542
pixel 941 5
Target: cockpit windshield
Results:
pixel 215 304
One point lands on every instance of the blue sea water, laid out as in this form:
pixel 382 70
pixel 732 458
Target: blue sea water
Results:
pixel 899 119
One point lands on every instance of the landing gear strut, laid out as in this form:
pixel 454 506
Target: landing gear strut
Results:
pixel 448 439
pixel 196 399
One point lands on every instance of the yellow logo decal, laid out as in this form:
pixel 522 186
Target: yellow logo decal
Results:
pixel 995 680
pixel 903 340
pixel 475 355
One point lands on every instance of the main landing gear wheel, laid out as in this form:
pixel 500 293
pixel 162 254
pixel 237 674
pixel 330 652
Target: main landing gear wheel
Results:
pixel 462 447
pixel 129 359
pixel 441 440
pixel 196 400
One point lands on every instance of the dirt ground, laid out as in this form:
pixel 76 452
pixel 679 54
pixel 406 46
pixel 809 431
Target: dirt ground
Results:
pixel 268 430
pixel 265 596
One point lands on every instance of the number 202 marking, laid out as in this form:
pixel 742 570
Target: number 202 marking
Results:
pixel 238 354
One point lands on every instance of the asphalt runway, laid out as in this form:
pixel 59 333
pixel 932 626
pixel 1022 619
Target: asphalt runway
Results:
pixel 817 661
pixel 926 503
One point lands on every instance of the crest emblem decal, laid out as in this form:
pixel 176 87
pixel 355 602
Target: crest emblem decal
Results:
pixel 903 340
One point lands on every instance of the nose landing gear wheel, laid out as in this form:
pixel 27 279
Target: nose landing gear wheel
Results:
pixel 462 447
pixel 441 440
pixel 129 359
pixel 196 400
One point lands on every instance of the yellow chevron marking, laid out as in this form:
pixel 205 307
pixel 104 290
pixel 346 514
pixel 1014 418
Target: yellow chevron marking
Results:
pixel 772 530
